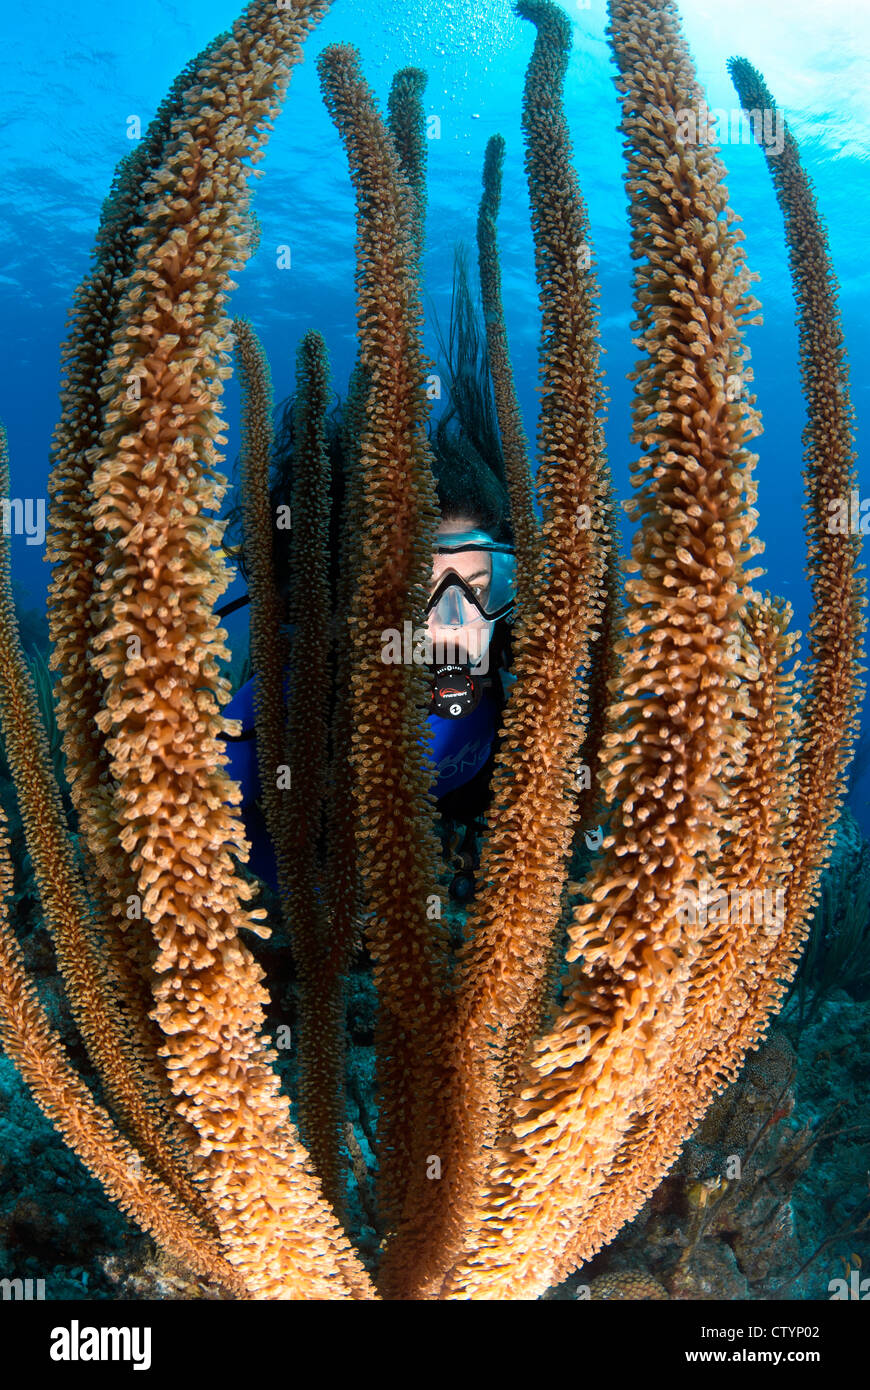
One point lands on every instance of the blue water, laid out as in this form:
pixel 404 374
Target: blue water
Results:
pixel 72 80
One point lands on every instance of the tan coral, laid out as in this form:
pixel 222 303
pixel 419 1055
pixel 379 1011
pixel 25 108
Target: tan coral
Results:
pixel 505 967
pixel 37 1051
pixel 627 1284
pixel 702 757
pixel 154 486
pixel 317 939
pixel 406 124
pixel 834 687
pixel 677 727
pixel 396 844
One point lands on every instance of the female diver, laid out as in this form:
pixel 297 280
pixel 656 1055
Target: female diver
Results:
pixel 471 604
pixel 469 613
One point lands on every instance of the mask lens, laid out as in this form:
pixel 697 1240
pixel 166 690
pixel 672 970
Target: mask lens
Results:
pixel 502 590
pixel 481 582
pixel 454 608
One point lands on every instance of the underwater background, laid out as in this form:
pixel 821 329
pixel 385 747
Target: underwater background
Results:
pixel 73 80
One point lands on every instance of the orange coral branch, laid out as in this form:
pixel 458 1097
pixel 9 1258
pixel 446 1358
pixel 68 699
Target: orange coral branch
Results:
pixel 834 688
pixel 76 550
pixel 744 938
pixel 677 728
pixel 155 485
pixel 604 669
pixel 108 1031
pixel 505 967
pixel 397 848
pixel 38 1053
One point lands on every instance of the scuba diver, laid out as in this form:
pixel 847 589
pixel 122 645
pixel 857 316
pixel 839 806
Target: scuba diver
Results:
pixel 471 604
pixel 468 615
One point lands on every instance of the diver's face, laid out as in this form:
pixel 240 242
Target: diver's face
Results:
pixel 466 636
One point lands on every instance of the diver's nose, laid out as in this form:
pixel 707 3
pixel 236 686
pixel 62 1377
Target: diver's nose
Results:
pixel 450 610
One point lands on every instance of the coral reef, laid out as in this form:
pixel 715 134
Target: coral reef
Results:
pixel 527 1108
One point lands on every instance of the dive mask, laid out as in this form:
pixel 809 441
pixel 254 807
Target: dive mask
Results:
pixel 455 602
pixel 468 607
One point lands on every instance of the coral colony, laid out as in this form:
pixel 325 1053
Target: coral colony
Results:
pixel 526 1107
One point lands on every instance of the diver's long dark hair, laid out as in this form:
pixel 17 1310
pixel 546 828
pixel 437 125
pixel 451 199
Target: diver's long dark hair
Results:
pixel 469 466
pixel 467 457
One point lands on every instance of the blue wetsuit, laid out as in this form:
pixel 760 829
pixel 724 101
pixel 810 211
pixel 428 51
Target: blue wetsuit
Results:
pixel 459 749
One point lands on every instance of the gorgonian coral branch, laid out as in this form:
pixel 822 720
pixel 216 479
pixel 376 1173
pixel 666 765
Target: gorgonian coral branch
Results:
pixel 268 644
pixel 155 489
pixel 35 1048
pixel 505 968
pixel 676 730
pixel 74 546
pixel 396 845
pixel 316 939
pixel 108 1030
pixel 834 689
pixel 407 122
pixel 737 913
pixel 76 550
pixel 510 423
